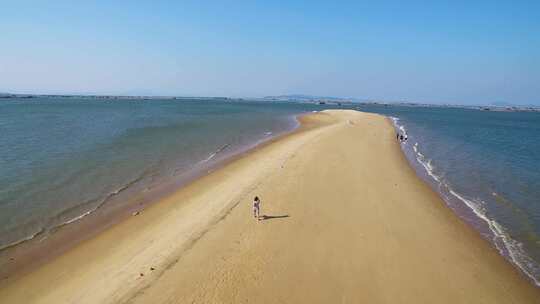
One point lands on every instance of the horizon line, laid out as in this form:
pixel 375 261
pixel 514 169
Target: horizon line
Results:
pixel 282 97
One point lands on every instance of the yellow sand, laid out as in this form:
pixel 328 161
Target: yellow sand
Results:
pixel 360 228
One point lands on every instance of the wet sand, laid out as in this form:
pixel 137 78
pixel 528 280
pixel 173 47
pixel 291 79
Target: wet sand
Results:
pixel 345 220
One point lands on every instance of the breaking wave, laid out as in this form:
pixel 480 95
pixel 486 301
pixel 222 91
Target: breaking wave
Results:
pixel 507 246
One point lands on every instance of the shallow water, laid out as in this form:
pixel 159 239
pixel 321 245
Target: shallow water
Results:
pixel 486 165
pixel 62 158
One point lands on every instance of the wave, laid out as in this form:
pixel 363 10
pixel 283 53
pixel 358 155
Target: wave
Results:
pixel 20 241
pixel 215 153
pixel 53 226
pixel 425 163
pixel 401 128
pixel 211 156
pixel 102 202
pixel 56 221
pixel 507 246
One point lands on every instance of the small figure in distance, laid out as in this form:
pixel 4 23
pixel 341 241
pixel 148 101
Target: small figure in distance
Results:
pixel 256 207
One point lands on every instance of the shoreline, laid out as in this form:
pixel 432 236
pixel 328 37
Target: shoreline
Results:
pixel 466 210
pixel 218 217
pixel 27 254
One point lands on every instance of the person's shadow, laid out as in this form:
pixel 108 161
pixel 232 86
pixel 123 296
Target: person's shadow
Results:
pixel 265 217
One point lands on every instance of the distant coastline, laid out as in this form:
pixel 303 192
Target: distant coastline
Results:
pixel 298 98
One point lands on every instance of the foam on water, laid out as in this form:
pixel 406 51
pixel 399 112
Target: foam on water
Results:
pixel 213 154
pixel 70 157
pixel 499 237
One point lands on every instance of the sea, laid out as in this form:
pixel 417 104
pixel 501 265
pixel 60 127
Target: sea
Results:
pixel 64 159
pixel 486 167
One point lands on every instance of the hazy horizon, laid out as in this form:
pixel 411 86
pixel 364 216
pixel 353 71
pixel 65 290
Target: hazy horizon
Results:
pixel 440 53
pixel 290 96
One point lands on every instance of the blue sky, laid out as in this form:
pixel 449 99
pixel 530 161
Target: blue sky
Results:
pixel 426 51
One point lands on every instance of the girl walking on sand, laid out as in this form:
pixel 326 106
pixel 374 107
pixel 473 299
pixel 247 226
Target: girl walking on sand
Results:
pixel 256 207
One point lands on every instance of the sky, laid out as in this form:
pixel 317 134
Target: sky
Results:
pixel 458 52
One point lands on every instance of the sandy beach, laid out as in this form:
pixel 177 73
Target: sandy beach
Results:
pixel 345 219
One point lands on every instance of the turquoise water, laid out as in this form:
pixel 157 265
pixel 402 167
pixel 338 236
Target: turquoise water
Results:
pixel 61 159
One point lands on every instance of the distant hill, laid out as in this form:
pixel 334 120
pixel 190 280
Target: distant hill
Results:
pixel 302 97
pixel 6 95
